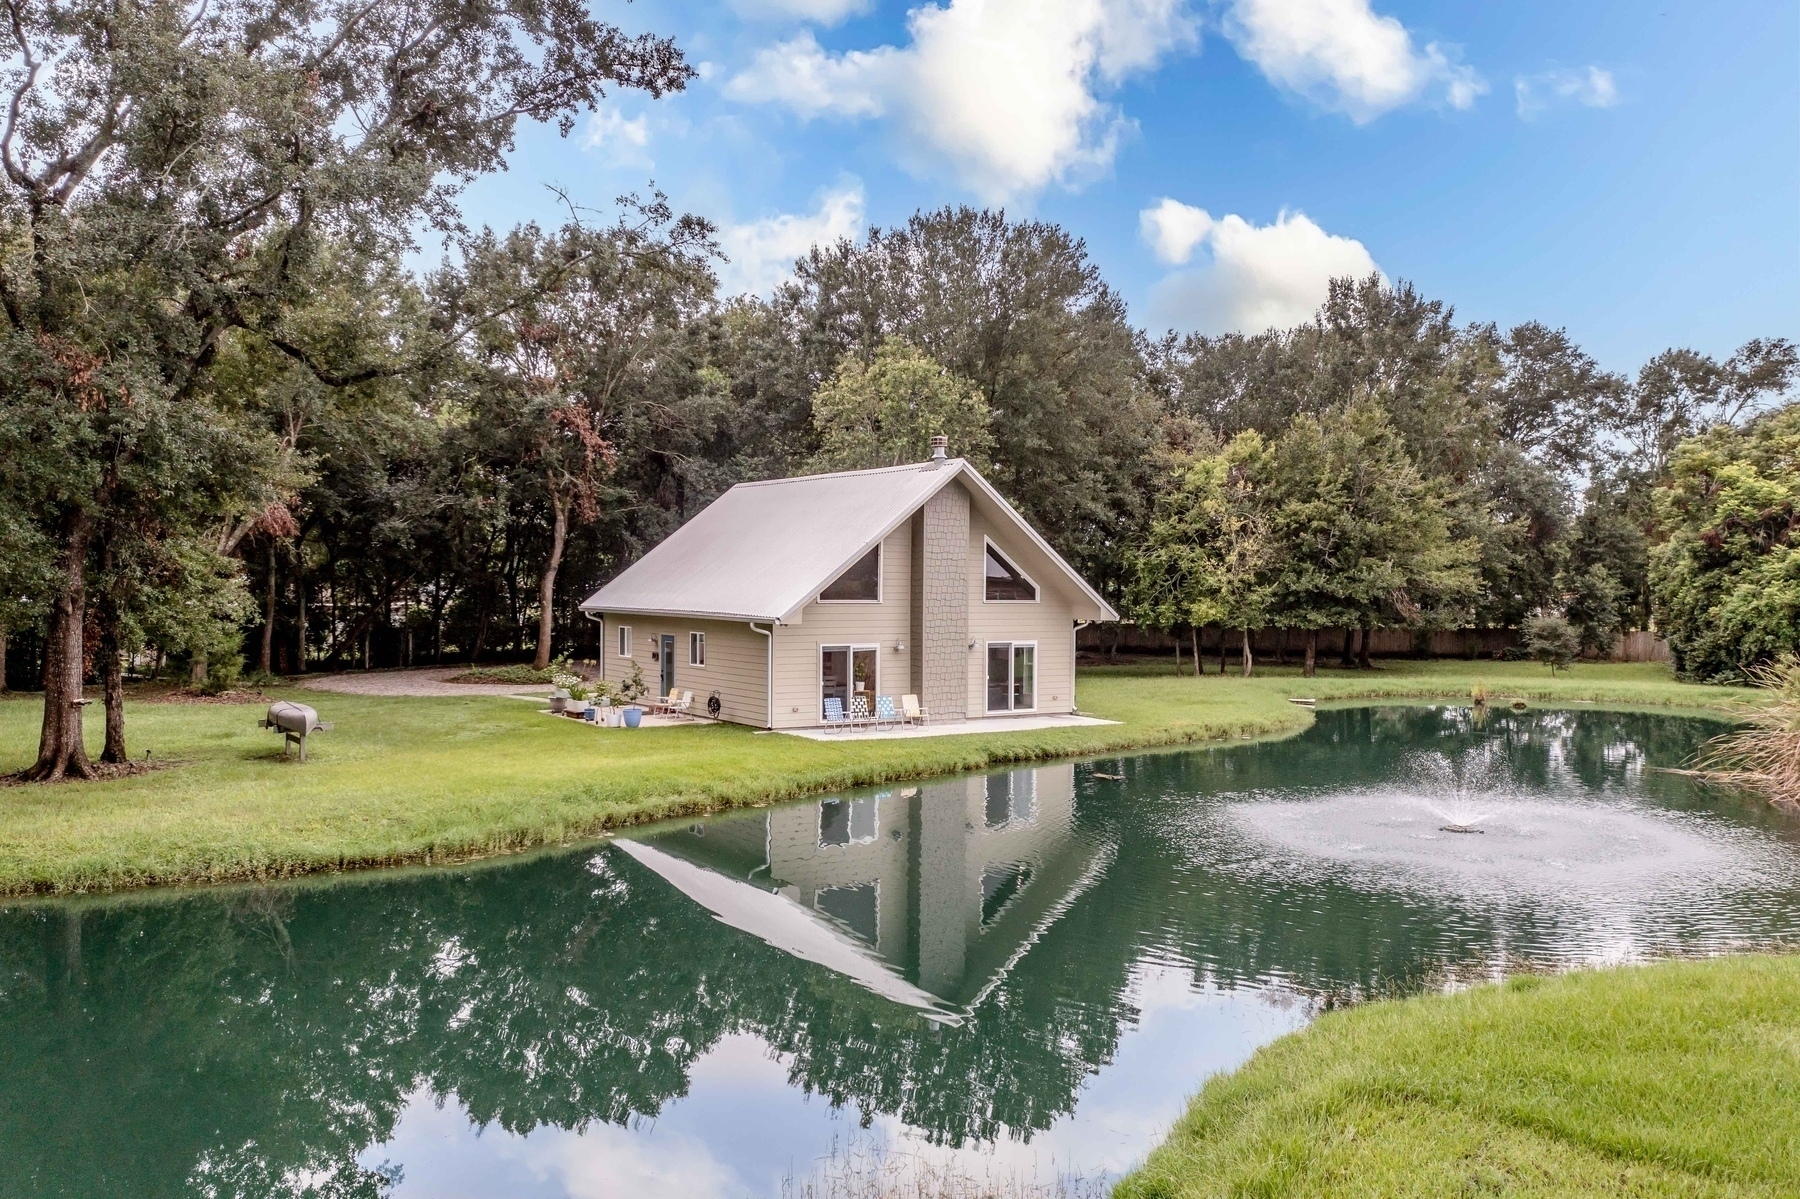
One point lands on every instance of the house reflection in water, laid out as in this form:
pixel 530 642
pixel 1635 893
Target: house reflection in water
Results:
pixel 926 893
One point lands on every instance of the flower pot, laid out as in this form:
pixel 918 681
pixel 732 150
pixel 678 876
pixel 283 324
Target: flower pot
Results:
pixel 633 716
pixel 559 703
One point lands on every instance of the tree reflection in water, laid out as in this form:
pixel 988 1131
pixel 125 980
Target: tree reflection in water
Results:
pixel 260 1041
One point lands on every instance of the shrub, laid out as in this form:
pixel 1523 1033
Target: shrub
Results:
pixel 515 675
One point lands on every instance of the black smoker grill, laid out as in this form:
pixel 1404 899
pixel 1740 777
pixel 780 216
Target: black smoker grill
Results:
pixel 296 720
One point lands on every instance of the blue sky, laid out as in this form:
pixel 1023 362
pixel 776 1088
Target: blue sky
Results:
pixel 1629 171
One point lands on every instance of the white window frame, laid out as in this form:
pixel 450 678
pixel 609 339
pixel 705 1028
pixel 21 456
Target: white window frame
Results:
pixel 987 543
pixel 697 650
pixel 880 577
pixel 873 800
pixel 1011 645
pixel 819 672
pixel 624 645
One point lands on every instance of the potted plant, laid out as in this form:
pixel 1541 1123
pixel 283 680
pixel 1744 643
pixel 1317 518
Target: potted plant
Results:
pixel 569 687
pixel 632 690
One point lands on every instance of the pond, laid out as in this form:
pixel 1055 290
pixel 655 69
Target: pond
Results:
pixel 1021 974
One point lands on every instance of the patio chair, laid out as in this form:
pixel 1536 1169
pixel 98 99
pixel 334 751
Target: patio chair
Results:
pixel 912 711
pixel 834 714
pixel 661 707
pixel 682 706
pixel 859 710
pixel 885 712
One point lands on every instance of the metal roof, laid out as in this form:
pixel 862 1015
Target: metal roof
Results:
pixel 762 551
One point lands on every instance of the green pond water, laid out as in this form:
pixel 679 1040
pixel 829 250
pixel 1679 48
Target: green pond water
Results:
pixel 1019 974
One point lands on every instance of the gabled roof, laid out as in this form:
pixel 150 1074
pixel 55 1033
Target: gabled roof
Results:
pixel 763 551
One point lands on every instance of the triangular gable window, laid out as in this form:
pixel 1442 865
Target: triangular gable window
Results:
pixel 861 584
pixel 1005 581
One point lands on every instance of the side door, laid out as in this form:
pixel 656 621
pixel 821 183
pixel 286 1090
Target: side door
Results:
pixel 668 664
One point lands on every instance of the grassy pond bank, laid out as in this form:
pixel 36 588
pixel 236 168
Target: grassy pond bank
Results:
pixel 402 780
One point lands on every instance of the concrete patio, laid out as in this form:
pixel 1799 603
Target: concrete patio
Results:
pixel 949 728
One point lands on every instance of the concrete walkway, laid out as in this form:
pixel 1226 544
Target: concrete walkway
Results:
pixel 427 682
pixel 951 728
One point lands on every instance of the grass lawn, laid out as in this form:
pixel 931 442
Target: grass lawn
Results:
pixel 1679 1079
pixel 426 780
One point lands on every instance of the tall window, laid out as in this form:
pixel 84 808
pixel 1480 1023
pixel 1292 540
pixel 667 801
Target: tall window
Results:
pixel 1011 676
pixel 696 649
pixel 624 641
pixel 1006 583
pixel 861 584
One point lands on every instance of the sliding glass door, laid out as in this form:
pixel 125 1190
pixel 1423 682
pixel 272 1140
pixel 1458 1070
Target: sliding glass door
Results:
pixel 846 671
pixel 1011 676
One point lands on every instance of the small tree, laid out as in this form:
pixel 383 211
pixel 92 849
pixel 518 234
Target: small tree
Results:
pixel 886 412
pixel 1595 606
pixel 1552 640
pixel 1209 558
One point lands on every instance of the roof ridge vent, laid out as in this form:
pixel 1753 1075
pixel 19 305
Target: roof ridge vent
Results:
pixel 940 450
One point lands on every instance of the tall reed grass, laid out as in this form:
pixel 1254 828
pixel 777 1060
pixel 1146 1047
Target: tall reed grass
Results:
pixel 1763 753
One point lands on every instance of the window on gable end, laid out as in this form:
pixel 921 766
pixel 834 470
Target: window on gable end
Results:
pixel 1006 582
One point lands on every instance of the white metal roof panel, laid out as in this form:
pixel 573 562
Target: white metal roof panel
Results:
pixel 763 550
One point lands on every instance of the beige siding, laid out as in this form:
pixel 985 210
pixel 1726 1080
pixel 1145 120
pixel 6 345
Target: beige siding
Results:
pixel 885 624
pixel 1049 622
pixel 736 662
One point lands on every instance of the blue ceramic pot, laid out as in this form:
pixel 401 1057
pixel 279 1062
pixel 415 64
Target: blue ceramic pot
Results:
pixel 633 716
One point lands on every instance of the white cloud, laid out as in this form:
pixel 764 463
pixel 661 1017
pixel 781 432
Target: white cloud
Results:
pixel 1343 55
pixel 1173 229
pixel 761 253
pixel 799 74
pixel 625 141
pixel 1005 94
pixel 825 12
pixel 1255 277
pixel 1592 86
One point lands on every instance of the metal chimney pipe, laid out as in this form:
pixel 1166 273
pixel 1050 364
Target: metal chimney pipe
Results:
pixel 940 447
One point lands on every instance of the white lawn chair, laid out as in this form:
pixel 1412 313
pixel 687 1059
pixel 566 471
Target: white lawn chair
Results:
pixel 912 711
pixel 661 707
pixel 683 706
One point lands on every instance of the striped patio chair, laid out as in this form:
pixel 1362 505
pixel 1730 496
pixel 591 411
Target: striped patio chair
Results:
pixel 834 713
pixel 859 710
pixel 885 712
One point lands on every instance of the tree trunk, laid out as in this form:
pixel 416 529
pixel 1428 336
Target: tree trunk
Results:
pixel 265 658
pixel 559 535
pixel 1198 670
pixel 1247 659
pixel 61 751
pixel 1222 640
pixel 1362 649
pixel 1348 657
pixel 299 612
pixel 1177 637
pixel 2 663
pixel 1281 636
pixel 1312 653
pixel 112 675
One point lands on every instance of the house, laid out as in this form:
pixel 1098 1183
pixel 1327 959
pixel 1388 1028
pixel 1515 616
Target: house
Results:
pixel 918 579
pixel 925 894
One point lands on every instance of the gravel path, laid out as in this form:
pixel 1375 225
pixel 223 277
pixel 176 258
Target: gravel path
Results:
pixel 414 682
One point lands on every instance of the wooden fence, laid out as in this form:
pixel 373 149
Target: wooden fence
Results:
pixel 1125 638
